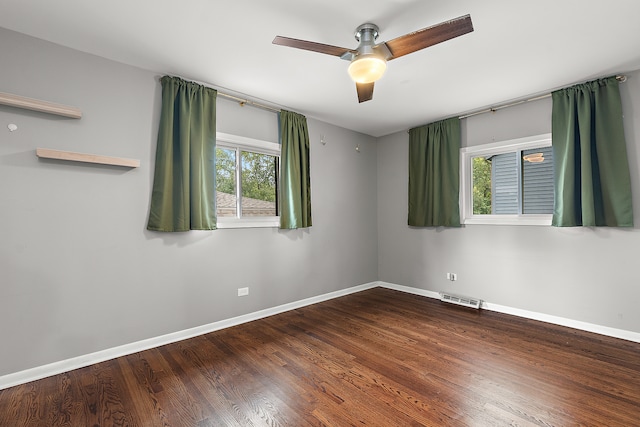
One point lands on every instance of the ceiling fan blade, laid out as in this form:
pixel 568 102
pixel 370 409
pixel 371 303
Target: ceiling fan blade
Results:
pixel 429 36
pixel 313 46
pixel 365 91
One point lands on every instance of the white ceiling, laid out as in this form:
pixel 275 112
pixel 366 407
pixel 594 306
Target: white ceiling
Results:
pixel 518 49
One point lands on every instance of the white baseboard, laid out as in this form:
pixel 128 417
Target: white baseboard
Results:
pixel 410 290
pixel 562 321
pixel 55 368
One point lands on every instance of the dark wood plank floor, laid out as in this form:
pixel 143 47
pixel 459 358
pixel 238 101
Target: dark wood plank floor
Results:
pixel 376 358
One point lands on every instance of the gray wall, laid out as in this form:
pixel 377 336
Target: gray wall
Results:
pixel 585 274
pixel 79 272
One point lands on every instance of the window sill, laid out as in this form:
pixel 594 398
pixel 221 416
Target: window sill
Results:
pixel 544 220
pixel 257 222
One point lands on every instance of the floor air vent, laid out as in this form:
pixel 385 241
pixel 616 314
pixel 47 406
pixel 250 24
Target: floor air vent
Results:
pixel 460 300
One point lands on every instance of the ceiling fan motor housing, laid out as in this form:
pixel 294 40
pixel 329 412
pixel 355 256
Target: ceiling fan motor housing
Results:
pixel 367 33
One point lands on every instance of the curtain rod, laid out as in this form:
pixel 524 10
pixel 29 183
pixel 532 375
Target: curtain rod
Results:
pixel 244 102
pixel 620 78
pixel 241 101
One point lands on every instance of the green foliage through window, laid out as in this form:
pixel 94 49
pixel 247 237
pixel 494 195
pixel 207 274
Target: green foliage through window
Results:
pixel 226 170
pixel 481 186
pixel 258 183
pixel 259 176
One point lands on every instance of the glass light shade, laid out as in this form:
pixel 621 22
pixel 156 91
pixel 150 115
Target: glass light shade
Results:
pixel 367 69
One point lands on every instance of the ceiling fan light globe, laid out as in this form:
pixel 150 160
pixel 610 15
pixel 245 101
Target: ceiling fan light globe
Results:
pixel 367 69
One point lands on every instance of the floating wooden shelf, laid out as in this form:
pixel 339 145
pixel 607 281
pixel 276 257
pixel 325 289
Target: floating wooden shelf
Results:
pixel 87 158
pixel 37 105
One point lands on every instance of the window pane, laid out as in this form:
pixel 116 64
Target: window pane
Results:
pixel 504 175
pixel 259 179
pixel 481 186
pixel 225 182
pixel 537 181
pixel 508 182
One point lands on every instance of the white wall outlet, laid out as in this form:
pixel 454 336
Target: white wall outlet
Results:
pixel 243 292
pixel 448 276
pixel 454 277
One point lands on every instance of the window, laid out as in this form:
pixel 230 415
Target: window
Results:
pixel 509 182
pixel 246 182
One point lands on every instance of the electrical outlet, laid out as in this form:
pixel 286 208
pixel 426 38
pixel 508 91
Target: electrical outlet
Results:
pixel 448 276
pixel 243 292
pixel 454 277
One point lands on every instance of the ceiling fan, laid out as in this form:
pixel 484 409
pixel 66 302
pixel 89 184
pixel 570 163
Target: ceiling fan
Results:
pixel 369 60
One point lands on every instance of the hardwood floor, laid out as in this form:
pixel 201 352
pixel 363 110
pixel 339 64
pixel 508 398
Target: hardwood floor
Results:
pixel 377 358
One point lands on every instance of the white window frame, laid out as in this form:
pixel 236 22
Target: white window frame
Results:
pixel 466 181
pixel 229 141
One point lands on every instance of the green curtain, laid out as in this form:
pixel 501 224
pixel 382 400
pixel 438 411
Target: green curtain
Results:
pixel 592 183
pixel 295 180
pixel 434 181
pixel 184 186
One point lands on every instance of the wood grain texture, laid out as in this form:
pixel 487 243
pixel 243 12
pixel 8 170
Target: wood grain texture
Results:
pixel 38 105
pixel 376 358
pixel 312 46
pixel 429 36
pixel 365 91
pixel 47 153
